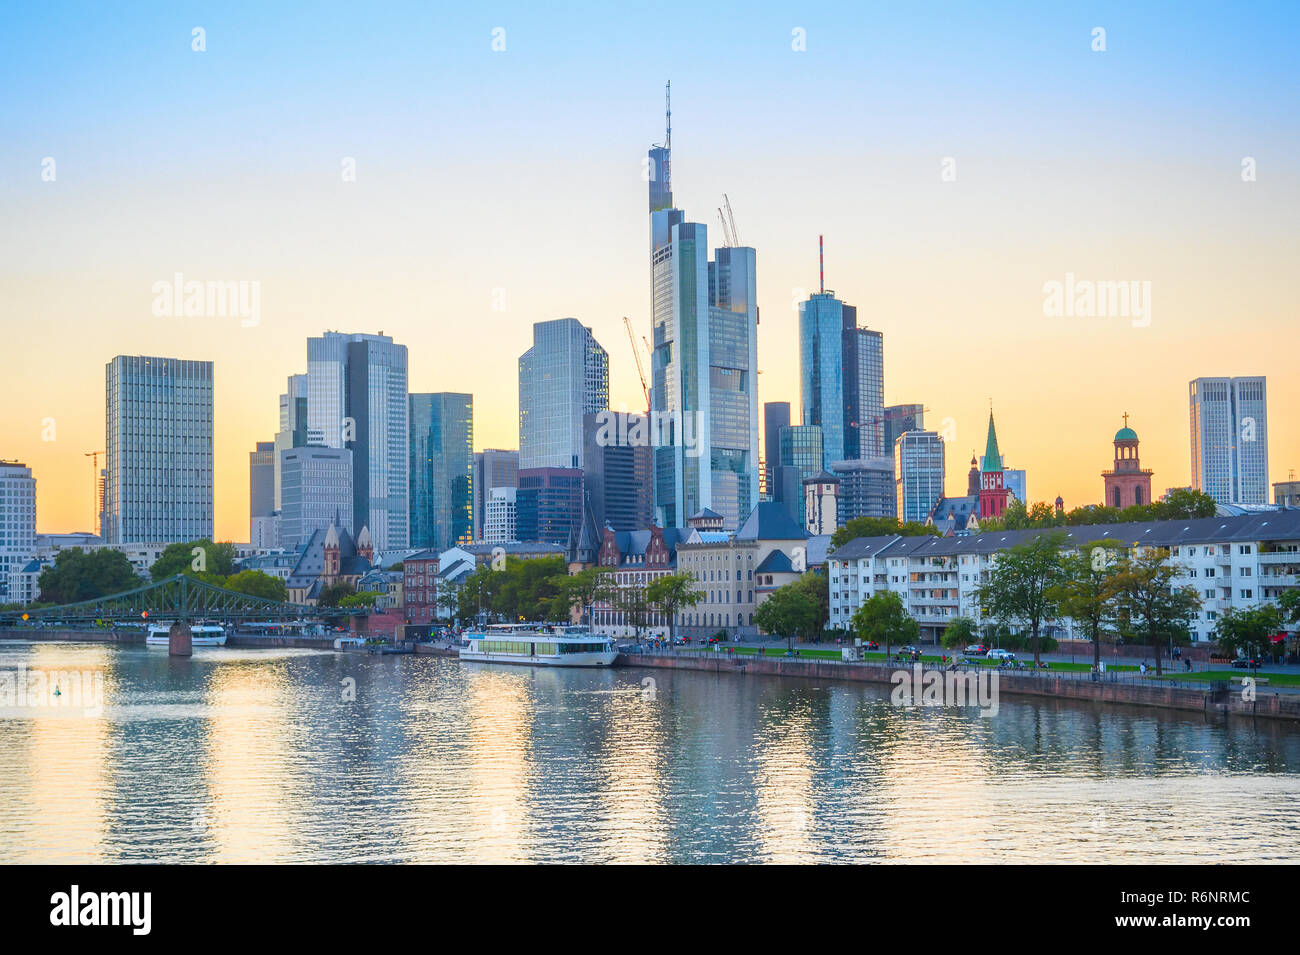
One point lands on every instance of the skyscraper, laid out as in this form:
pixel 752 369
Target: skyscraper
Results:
pixel 564 376
pixel 442 470
pixel 776 415
pixel 918 473
pixel 158 441
pixel 548 504
pixel 704 364
pixel 900 418
pixel 17 525
pixel 1229 419
pixel 493 468
pixel 841 376
pixel 866 488
pixel 801 458
pixel 616 471
pixel 316 492
pixel 261 483
pixel 293 425
pixel 357 399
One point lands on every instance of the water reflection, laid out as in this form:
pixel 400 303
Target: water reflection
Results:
pixel 293 756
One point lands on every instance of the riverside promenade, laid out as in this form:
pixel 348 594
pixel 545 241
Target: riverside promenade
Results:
pixel 1216 699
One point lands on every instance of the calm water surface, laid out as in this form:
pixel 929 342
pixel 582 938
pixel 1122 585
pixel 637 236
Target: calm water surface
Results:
pixel 257 756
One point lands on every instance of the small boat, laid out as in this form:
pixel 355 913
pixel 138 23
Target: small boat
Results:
pixel 545 645
pixel 201 635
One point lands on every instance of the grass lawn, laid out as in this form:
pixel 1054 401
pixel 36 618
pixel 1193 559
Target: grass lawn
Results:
pixel 1274 679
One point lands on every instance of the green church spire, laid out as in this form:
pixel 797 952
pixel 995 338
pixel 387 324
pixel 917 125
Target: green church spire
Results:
pixel 992 459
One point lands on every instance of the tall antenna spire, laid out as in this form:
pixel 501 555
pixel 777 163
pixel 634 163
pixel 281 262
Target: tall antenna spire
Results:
pixel 668 115
pixel 821 264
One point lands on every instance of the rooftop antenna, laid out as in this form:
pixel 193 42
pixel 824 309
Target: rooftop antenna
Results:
pixel 821 264
pixel 668 115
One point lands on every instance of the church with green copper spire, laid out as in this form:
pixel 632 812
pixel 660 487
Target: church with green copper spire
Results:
pixel 994 495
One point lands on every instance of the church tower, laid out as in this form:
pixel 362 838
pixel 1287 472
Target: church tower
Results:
pixel 994 496
pixel 1127 483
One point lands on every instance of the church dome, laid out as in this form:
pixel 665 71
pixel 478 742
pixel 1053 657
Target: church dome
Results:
pixel 1126 434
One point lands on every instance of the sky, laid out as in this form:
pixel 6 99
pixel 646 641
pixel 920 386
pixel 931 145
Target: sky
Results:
pixel 495 188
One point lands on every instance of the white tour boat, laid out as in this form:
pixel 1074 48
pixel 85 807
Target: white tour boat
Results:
pixel 201 635
pixel 545 645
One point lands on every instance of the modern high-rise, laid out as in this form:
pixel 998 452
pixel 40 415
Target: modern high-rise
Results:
pixel 1229 419
pixel 776 415
pixel 316 492
pixel 564 376
pixel 617 468
pixel 548 504
pixel 357 399
pixel 493 468
pixel 293 424
pixel 442 470
pixel 261 483
pixel 900 418
pixel 704 366
pixel 801 457
pixel 500 522
pixel 17 526
pixel 866 488
pixel 158 443
pixel 841 376
pixel 918 474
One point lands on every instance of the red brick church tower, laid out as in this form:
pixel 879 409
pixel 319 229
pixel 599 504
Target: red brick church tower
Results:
pixel 1128 483
pixel 994 496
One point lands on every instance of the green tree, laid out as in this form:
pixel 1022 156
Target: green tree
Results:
pixel 1289 605
pixel 1088 590
pixel 960 632
pixel 580 591
pixel 1185 504
pixel 672 593
pixel 1150 607
pixel 882 618
pixel 788 611
pixel 79 575
pixel 1247 632
pixel 255 583
pixel 195 558
pixel 331 595
pixel 633 603
pixel 366 599
pixel 878 527
pixel 818 587
pixel 1022 582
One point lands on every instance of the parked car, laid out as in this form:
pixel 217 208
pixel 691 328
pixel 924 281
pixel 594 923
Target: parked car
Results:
pixel 999 654
pixel 909 649
pixel 976 648
pixel 871 645
pixel 1247 663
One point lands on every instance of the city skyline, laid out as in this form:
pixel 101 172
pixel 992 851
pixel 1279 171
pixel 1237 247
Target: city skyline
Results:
pixel 952 272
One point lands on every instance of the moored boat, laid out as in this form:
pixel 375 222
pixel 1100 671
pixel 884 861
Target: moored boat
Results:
pixel 201 635
pixel 543 645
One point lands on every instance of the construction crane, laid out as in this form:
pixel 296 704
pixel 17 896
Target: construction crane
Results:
pixel 640 369
pixel 730 237
pixel 95 503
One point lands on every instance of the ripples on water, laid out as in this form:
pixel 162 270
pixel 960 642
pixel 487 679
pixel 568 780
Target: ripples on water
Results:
pixel 255 756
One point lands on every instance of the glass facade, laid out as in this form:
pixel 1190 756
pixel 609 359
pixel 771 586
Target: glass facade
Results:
pixel 357 399
pixel 442 469
pixel 158 443
pixel 841 378
pixel 17 526
pixel 564 376
pixel 918 474
pixel 1229 424
pixel 316 491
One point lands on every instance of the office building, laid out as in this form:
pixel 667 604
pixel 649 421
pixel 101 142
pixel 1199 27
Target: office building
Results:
pixel 492 468
pixel 801 457
pixel 900 418
pixel 548 504
pixel 316 492
pixel 1229 423
pixel 357 399
pixel 501 522
pixel 866 488
pixel 442 470
pixel 617 469
pixel 17 530
pixel 158 443
pixel 776 415
pixel 293 425
pixel 261 483
pixel 918 474
pixel 1286 493
pixel 564 376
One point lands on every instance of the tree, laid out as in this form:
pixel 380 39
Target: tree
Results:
pixel 195 558
pixel 1088 590
pixel 331 595
pixel 1248 632
pixel 364 599
pixel 1149 605
pixel 818 587
pixel 1289 604
pixel 447 597
pixel 634 605
pixel 255 583
pixel 960 632
pixel 670 594
pixel 79 575
pixel 879 527
pixel 883 617
pixel 1022 584
pixel 788 610
pixel 1184 504
pixel 581 590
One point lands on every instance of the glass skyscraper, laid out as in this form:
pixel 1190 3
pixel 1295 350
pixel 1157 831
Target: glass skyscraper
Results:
pixel 316 492
pixel 1229 421
pixel 357 399
pixel 442 470
pixel 158 443
pixel 918 474
pixel 293 425
pixel 564 376
pixel 841 376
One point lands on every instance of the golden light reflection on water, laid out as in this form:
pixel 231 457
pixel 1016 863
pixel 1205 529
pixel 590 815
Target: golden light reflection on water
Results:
pixel 499 725
pixel 786 808
pixel 631 824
